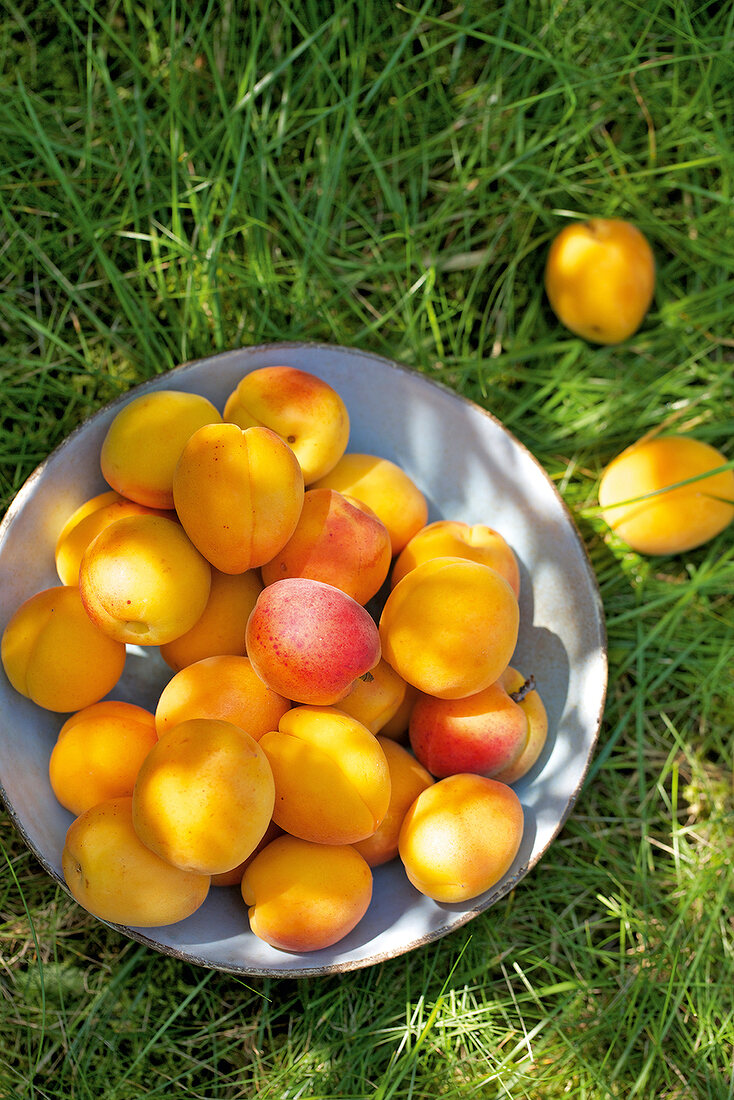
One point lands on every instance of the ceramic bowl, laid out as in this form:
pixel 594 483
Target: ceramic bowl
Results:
pixel 470 468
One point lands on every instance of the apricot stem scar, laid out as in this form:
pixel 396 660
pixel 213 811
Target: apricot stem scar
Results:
pixel 527 687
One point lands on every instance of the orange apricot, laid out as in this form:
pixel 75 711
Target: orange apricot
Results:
pixel 451 538
pixel 220 628
pixel 408 778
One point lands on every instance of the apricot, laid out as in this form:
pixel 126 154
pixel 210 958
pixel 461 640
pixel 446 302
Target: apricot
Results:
pixel 221 627
pixel 453 539
pixel 234 877
pixel 225 687
pixel 376 697
pixel 309 641
pixel 531 703
pixel 482 733
pixel 450 627
pixel 338 541
pixel 144 440
pixel 407 779
pixel 114 876
pixel 661 497
pixel 600 279
pixel 460 837
pixel 86 522
pixel 385 488
pixel 396 728
pixel 204 796
pixel 332 781
pixel 142 581
pixel 238 494
pixel 303 409
pixel 98 753
pixel 304 896
pixel 55 655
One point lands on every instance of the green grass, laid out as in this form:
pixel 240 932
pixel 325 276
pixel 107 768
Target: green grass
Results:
pixel 180 178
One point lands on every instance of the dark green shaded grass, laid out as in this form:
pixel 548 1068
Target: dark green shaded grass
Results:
pixel 183 178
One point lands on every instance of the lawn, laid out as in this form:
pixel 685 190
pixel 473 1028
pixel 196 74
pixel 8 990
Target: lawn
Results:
pixel 182 178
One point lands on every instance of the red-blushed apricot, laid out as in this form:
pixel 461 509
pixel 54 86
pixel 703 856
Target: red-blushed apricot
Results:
pixel 532 704
pixel 55 655
pixel 600 279
pixel 460 837
pixel 225 687
pixel 661 497
pixel 338 541
pixel 310 641
pixel 453 539
pixel 332 781
pixel 304 410
pixel 407 779
pixel 98 753
pixel 86 522
pixel 221 627
pixel 143 443
pixel 303 896
pixel 450 627
pixel 238 493
pixel 482 733
pixel 234 877
pixel 114 876
pixel 385 488
pixel 375 697
pixel 396 727
pixel 142 580
pixel 204 796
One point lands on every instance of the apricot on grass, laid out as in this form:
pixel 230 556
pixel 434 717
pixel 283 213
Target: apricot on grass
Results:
pixel 55 655
pixel 114 876
pixel 86 522
pixel 309 641
pixel 304 410
pixel 408 778
pixel 238 493
pixel 220 628
pixel 332 780
pixel 144 440
pixel 304 896
pixel 600 279
pixel 661 497
pixel 204 796
pixel 142 580
pixel 452 538
pixel 98 753
pixel 460 836
pixel 225 687
pixel 385 488
pixel 450 627
pixel 337 540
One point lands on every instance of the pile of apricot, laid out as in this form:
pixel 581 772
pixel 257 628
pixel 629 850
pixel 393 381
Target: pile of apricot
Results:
pixel 340 694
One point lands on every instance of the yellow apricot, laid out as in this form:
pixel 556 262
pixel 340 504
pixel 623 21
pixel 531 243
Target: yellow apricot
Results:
pixel 225 687
pixel 54 654
pixel 114 876
pixel 204 796
pixel 376 697
pixel 303 409
pixel 304 896
pixel 385 488
pixel 641 503
pixel 452 539
pixel 396 728
pixel 234 877
pixel 86 522
pixel 143 443
pixel 220 628
pixel 600 279
pixel 460 837
pixel 450 627
pixel 238 493
pixel 407 779
pixel 142 581
pixel 537 716
pixel 337 540
pixel 98 753
pixel 332 781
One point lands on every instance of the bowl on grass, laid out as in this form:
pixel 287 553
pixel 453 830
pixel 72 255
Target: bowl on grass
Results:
pixel 470 468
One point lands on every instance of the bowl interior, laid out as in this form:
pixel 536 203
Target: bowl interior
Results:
pixel 470 468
